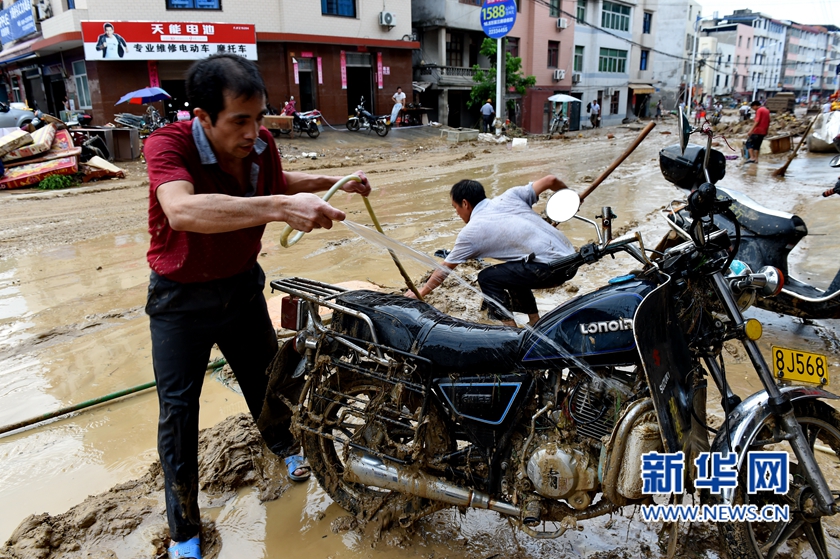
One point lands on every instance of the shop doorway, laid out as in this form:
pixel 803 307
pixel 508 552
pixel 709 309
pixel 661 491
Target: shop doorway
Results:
pixel 359 81
pixel 574 112
pixel 178 90
pixel 56 92
pixel 308 91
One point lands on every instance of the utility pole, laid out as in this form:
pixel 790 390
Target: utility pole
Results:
pixel 693 58
pixel 500 80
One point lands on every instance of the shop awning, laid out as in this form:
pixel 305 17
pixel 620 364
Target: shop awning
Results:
pixel 641 88
pixel 20 51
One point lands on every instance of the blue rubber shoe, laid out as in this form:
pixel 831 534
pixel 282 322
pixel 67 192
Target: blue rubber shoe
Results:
pixel 189 549
pixel 297 462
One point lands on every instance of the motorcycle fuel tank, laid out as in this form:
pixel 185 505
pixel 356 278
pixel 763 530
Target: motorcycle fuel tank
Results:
pixel 597 327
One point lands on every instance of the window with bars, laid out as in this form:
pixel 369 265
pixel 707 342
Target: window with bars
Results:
pixel 553 54
pixel 578 64
pixel 581 10
pixel 615 16
pixel 646 23
pixel 614 98
pixel 512 46
pixel 643 60
pixel 554 8
pixel 612 60
pixel 454 49
pixel 346 8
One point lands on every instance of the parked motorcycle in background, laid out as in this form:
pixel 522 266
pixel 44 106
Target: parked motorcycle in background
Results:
pixel 363 120
pixel 559 124
pixel 305 122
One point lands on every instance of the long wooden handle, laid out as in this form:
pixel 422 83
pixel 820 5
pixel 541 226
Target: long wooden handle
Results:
pixel 781 170
pixel 642 135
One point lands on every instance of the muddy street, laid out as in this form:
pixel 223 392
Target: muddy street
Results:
pixel 73 279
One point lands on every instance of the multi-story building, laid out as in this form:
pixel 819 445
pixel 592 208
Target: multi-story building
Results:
pixel 544 38
pixel 673 23
pixel 767 51
pixel 450 37
pixel 805 58
pixel 727 72
pixel 609 54
pixel 326 53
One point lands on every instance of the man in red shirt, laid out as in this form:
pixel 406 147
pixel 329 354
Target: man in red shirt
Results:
pixel 759 130
pixel 214 183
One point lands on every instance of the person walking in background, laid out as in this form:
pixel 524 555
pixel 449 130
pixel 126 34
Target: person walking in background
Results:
pixel 659 109
pixel 595 116
pixel 399 103
pixel 487 113
pixel 758 132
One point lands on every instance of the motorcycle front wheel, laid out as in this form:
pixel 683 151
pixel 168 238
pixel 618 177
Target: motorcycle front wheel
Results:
pixel 381 129
pixel 312 130
pixel 804 534
pixel 353 413
pixel 353 124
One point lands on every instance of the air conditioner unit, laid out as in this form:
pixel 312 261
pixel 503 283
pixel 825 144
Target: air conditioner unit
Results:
pixel 559 74
pixel 387 19
pixel 562 23
pixel 576 77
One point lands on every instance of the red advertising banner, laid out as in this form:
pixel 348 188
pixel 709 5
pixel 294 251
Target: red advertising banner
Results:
pixel 320 73
pixel 166 40
pixel 154 78
pixel 379 69
pixel 343 70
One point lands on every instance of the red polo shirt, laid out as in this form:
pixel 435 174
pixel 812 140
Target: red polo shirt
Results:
pixel 181 151
pixel 762 121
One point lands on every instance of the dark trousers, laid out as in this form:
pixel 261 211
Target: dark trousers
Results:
pixel 510 284
pixel 488 122
pixel 186 320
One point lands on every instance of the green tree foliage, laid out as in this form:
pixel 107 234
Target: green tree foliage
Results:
pixel 485 78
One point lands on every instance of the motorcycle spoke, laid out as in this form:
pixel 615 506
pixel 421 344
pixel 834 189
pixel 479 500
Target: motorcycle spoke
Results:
pixel 781 533
pixel 816 537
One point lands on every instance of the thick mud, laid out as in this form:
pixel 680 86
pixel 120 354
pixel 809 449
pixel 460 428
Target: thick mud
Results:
pixel 72 286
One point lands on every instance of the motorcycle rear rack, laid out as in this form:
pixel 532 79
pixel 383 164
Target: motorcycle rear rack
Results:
pixel 321 294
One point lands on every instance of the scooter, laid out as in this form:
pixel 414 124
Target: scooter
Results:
pixel 767 236
pixel 305 122
pixel 363 120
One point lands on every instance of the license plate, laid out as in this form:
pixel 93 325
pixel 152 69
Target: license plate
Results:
pixel 801 366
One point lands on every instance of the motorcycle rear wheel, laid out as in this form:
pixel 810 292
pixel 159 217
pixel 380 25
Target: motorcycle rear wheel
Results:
pixel 381 129
pixel 804 534
pixel 312 130
pixel 347 396
pixel 353 124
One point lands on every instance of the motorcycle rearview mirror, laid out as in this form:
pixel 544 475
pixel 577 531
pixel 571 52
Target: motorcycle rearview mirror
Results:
pixel 563 205
pixel 835 161
pixel 684 129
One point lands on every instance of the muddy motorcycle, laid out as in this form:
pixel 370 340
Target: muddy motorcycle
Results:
pixel 305 122
pixel 405 410
pixel 362 119
pixel 767 236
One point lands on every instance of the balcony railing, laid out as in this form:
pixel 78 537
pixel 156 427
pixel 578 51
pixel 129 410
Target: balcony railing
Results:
pixel 451 71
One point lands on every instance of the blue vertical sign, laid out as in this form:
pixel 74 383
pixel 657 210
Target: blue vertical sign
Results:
pixel 498 17
pixel 17 22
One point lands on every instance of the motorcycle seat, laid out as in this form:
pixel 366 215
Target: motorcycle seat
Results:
pixel 452 344
pixel 764 221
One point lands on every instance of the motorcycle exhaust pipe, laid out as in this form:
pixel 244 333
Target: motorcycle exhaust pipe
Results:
pixel 369 470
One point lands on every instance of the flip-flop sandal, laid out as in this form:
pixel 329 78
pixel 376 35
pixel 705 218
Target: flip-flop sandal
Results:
pixel 189 549
pixel 297 462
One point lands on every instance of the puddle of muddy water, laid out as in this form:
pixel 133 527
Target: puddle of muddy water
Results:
pixel 70 331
